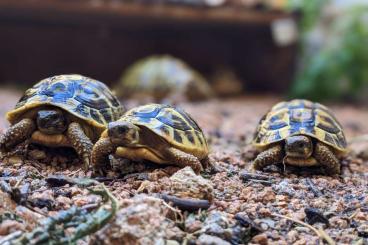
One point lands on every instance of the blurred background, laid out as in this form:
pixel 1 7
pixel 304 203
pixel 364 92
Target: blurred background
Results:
pixel 315 49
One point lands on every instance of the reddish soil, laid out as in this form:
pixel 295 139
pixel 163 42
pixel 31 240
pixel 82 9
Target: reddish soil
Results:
pixel 340 203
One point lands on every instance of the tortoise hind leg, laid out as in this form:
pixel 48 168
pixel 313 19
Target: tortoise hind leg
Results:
pixel 325 156
pixel 80 142
pixel 183 159
pixel 17 133
pixel 268 157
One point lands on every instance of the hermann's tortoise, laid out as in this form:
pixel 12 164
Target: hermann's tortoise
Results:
pixel 154 132
pixel 161 78
pixel 300 133
pixel 64 110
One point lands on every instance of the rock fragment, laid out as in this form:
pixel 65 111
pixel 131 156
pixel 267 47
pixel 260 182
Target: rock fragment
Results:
pixel 186 184
pixel 140 220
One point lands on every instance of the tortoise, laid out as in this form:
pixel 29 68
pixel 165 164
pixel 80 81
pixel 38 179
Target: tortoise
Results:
pixel 155 132
pixel 62 111
pixel 300 133
pixel 160 78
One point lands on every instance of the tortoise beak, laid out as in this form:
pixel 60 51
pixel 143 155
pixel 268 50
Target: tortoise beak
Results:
pixel 123 133
pixel 298 146
pixel 51 121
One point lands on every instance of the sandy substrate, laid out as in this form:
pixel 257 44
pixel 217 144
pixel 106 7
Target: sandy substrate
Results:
pixel 242 207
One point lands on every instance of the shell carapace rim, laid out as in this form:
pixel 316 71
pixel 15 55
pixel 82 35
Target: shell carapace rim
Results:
pixel 300 117
pixel 172 123
pixel 155 71
pixel 84 97
pixel 160 76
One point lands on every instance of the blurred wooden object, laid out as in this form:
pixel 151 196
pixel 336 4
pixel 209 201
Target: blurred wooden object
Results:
pixel 40 38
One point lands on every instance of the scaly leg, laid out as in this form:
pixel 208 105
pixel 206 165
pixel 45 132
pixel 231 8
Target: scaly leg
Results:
pixel 206 162
pixel 268 157
pixel 80 142
pixel 101 151
pixel 327 158
pixel 17 133
pixel 183 159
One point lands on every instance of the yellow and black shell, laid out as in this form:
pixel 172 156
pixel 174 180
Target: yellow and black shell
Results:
pixel 172 124
pixel 300 117
pixel 83 97
pixel 160 76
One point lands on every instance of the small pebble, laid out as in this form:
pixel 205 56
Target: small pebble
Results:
pixel 9 226
pixel 15 160
pixel 260 239
pixel 205 239
pixel 37 154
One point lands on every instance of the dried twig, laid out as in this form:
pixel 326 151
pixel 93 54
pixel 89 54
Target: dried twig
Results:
pixel 325 236
pixel 185 203
pixel 313 188
pixel 61 180
pixel 246 221
pixel 6 239
pixel 353 215
pixel 73 173
pixel 314 215
pixel 263 182
pixel 252 176
pixel 19 181
pixel 320 233
pixel 176 211
pixel 256 178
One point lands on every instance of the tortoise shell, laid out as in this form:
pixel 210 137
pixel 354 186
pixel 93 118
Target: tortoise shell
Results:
pixel 173 124
pixel 85 98
pixel 158 76
pixel 300 117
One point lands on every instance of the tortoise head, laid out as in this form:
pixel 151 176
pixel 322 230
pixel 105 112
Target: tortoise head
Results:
pixel 123 133
pixel 51 121
pixel 299 146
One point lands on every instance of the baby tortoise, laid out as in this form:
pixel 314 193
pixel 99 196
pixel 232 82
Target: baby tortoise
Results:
pixel 154 132
pixel 64 110
pixel 162 77
pixel 300 133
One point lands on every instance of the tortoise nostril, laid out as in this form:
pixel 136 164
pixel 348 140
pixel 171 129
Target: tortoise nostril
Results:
pixel 122 130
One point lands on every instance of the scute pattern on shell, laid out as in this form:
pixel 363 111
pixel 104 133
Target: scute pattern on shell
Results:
pixel 159 76
pixel 84 97
pixel 171 123
pixel 300 117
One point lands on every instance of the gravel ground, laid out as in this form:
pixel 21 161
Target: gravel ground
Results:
pixel 242 206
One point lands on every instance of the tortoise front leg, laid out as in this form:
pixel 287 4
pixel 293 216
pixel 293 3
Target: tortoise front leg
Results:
pixel 184 159
pixel 205 162
pixel 80 142
pixel 325 156
pixel 268 157
pixel 101 151
pixel 17 133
